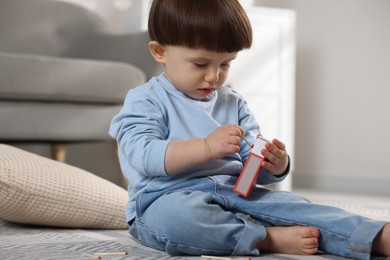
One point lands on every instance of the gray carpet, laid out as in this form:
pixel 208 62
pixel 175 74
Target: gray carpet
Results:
pixel 34 242
pixel 18 242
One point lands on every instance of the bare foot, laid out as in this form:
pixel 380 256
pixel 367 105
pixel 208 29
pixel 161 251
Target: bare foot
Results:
pixel 294 240
pixel 381 244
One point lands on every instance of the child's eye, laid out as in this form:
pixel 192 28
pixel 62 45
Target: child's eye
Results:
pixel 225 65
pixel 201 65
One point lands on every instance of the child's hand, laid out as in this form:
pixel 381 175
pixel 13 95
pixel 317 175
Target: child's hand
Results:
pixel 277 157
pixel 224 140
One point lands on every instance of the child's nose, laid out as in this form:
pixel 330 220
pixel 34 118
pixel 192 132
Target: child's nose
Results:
pixel 212 75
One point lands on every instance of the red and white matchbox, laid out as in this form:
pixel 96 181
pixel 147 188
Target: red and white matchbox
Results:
pixel 252 167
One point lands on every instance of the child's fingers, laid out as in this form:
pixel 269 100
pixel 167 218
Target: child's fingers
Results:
pixel 268 165
pixel 240 131
pixel 272 156
pixel 279 144
pixel 276 156
pixel 233 130
pixel 273 151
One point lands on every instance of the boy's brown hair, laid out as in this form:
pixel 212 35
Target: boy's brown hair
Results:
pixel 215 25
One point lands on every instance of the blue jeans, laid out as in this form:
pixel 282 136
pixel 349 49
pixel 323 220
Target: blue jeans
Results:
pixel 205 217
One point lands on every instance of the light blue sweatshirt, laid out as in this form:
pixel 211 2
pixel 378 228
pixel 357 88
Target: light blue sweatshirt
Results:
pixel 156 113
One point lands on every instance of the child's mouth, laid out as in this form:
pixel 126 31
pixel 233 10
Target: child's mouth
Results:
pixel 206 91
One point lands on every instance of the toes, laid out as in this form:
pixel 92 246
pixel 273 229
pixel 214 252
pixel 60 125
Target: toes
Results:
pixel 310 243
pixel 310 251
pixel 308 232
pixel 310 246
pixel 315 232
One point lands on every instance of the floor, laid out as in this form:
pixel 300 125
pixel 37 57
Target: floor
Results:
pixel 374 206
pixel 23 242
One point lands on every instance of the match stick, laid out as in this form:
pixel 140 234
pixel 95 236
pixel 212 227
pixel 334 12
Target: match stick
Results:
pixel 110 253
pixel 99 255
pixel 215 257
pixel 246 141
pixel 225 258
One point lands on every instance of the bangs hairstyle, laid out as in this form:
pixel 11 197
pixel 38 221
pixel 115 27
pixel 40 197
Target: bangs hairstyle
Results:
pixel 214 25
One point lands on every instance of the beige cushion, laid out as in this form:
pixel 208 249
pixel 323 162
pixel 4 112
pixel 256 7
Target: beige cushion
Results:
pixel 37 190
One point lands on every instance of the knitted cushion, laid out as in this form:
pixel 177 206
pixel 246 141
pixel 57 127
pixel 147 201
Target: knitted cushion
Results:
pixel 37 190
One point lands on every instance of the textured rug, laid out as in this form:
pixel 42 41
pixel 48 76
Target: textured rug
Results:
pixel 19 242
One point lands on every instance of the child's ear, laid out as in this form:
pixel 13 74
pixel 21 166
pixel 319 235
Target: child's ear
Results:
pixel 158 51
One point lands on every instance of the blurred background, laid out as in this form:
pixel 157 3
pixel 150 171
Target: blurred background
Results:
pixel 342 94
pixel 342 90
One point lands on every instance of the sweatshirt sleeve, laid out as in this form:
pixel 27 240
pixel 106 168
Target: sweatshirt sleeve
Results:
pixel 140 132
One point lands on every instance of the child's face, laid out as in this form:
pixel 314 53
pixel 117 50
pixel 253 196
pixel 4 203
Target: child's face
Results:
pixel 195 72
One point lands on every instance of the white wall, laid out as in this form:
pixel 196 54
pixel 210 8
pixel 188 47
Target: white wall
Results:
pixel 343 90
